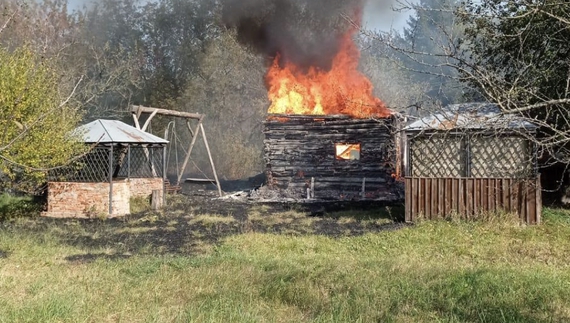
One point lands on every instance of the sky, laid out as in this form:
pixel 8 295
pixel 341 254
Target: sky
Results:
pixel 379 15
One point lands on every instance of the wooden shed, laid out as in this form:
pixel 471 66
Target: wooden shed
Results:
pixel 468 159
pixel 332 157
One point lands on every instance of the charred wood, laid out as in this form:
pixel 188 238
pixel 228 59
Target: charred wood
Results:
pixel 300 155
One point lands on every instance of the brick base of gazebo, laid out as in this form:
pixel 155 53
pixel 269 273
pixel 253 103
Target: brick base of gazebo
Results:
pixel 88 200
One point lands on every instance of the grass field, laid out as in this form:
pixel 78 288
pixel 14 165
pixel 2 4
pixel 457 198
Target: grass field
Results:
pixel 445 271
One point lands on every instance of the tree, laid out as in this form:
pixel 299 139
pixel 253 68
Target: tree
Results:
pixel 78 47
pixel 229 89
pixel 516 53
pixel 397 86
pixel 35 121
pixel 430 37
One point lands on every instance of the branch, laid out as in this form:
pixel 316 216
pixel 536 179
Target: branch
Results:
pixel 41 117
pixel 9 19
pixel 13 162
pixel 539 105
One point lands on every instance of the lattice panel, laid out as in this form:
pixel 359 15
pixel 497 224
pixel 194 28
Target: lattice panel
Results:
pixel 500 157
pixel 141 162
pixel 471 156
pixel 437 156
pixel 93 167
pixel 144 162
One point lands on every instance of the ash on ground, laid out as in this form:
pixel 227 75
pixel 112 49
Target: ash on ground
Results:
pixel 254 191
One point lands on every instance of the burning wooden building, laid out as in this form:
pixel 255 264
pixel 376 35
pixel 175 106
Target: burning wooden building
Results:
pixel 331 157
pixel 327 135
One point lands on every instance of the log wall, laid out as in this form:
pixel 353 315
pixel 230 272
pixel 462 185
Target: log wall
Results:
pixel 300 155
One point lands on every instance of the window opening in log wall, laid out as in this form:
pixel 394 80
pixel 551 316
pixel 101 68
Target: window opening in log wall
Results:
pixel 345 151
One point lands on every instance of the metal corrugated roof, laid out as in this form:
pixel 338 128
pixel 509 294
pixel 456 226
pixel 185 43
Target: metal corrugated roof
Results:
pixel 114 131
pixel 470 116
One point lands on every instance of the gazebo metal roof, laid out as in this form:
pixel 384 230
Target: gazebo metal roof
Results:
pixel 470 116
pixel 114 131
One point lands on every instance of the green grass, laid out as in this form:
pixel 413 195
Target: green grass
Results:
pixel 16 206
pixel 444 271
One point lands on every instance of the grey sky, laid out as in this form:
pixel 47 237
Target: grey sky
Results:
pixel 379 15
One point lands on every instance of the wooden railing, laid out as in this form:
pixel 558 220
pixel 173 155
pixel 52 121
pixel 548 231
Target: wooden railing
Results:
pixel 432 198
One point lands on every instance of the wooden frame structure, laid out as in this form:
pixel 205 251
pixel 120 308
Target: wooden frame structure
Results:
pixel 331 157
pixel 470 159
pixel 137 111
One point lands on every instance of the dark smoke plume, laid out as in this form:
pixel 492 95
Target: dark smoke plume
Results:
pixel 305 32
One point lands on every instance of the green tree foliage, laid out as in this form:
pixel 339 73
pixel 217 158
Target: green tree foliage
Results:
pixel 77 46
pixel 34 120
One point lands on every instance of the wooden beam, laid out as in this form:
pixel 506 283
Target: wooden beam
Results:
pixel 189 152
pixel 190 128
pixel 140 109
pixel 147 123
pixel 136 119
pixel 211 160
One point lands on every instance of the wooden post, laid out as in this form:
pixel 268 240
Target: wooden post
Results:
pixel 136 119
pixel 363 193
pixel 156 201
pixel 211 160
pixel 138 126
pixel 538 199
pixel 129 161
pixel 187 157
pixel 138 109
pixel 312 187
pixel 111 180
pixel 164 175
pixel 147 123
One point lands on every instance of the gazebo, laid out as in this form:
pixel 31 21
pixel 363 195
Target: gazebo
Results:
pixel 123 162
pixel 469 159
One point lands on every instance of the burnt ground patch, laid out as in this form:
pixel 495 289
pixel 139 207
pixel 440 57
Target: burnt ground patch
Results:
pixel 193 224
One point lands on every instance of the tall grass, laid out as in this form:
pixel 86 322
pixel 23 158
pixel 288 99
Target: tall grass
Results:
pixel 432 272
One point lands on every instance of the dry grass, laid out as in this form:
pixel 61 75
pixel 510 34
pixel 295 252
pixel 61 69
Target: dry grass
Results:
pixel 443 271
pixel 209 220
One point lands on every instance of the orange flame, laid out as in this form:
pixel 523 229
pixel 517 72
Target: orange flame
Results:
pixel 341 90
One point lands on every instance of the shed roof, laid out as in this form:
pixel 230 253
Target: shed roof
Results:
pixel 470 116
pixel 114 131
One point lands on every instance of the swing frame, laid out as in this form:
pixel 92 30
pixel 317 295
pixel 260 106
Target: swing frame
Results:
pixel 138 110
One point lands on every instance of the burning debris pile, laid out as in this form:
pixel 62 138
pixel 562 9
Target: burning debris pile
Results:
pixel 327 136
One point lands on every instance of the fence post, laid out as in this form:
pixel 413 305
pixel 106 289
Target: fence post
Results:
pixel 156 201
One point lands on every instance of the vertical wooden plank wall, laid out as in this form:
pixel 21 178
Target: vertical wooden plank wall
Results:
pixel 431 198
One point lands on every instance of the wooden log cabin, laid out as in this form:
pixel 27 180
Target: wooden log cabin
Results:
pixel 333 157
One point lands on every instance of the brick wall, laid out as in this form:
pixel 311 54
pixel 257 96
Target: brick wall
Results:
pixel 84 200
pixel 144 186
